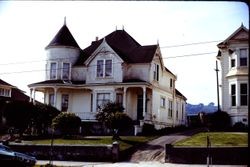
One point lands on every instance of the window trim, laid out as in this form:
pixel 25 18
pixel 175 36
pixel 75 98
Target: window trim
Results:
pixel 244 56
pixel 163 105
pixel 104 68
pixel 233 101
pixel 50 70
pixel 245 95
pixel 62 71
pixel 156 72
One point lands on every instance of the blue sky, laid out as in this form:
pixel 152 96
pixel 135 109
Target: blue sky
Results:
pixel 27 27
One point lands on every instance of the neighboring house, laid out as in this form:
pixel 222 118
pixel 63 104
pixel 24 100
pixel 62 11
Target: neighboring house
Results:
pixel 9 92
pixel 115 68
pixel 234 57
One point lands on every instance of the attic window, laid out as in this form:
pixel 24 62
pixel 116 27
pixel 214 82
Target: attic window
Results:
pixel 5 92
pixel 104 68
pixel 156 72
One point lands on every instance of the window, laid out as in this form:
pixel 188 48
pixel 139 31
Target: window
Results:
pixel 65 102
pixel 243 57
pixel 51 99
pixel 156 72
pixel 108 68
pixel 104 68
pixel 163 102
pixel 5 92
pixel 65 71
pixel 243 94
pixel 119 99
pixel 100 68
pixel 52 70
pixel 177 108
pixel 102 98
pixel 170 109
pixel 233 95
pixel 232 62
pixel 171 82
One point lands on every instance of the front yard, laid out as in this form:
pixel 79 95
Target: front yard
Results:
pixel 216 139
pixel 126 142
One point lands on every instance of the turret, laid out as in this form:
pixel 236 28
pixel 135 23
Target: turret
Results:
pixel 62 52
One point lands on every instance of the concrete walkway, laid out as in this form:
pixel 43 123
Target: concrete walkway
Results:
pixel 126 164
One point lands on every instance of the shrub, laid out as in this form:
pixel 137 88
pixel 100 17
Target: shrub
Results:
pixel 67 123
pixel 239 127
pixel 220 121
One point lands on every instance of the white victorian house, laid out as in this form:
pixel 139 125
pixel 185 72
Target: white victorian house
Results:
pixel 115 68
pixel 234 57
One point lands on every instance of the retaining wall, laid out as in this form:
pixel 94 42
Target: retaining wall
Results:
pixel 71 152
pixel 198 155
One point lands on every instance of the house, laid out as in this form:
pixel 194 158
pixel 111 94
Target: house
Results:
pixel 115 68
pixel 234 58
pixel 9 92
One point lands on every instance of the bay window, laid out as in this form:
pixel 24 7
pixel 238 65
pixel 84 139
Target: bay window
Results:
pixel 53 70
pixel 66 71
pixel 243 94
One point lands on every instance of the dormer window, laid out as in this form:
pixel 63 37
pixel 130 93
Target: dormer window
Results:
pixel 243 57
pixel 53 70
pixel 104 68
pixel 66 71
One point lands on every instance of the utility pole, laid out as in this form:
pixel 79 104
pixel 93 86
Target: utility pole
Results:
pixel 217 78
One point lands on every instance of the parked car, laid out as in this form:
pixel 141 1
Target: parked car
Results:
pixel 9 157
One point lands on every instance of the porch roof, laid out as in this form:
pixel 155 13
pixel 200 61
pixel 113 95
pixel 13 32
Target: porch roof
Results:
pixel 82 84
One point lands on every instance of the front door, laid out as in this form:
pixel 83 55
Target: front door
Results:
pixel 139 107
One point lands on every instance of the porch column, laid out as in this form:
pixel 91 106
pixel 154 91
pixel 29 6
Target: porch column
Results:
pixel 144 101
pixel 94 101
pixel 55 97
pixel 34 97
pixel 31 91
pixel 124 98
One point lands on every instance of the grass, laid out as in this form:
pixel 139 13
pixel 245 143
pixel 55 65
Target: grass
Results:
pixel 125 143
pixel 216 139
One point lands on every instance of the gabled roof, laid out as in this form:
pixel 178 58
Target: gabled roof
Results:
pixel 63 38
pixel 16 94
pixel 180 94
pixel 124 45
pixel 241 29
pixel 2 82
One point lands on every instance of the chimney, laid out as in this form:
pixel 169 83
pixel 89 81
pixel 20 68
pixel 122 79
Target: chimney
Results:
pixel 96 38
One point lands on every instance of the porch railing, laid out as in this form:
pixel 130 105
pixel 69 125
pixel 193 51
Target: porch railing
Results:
pixel 86 115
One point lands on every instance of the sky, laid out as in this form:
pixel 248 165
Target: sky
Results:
pixel 187 33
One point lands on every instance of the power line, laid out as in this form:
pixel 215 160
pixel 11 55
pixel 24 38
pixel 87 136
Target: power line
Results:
pixel 170 46
pixel 187 44
pixel 28 71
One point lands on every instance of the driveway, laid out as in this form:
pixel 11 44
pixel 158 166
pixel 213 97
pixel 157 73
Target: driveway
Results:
pixel 155 149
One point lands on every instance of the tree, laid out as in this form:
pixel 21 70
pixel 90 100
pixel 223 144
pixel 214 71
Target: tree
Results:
pixel 67 123
pixel 112 116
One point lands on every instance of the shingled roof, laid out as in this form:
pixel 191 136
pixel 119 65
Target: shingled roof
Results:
pixel 124 45
pixel 63 38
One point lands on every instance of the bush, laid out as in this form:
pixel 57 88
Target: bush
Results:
pixel 240 127
pixel 148 129
pixel 67 123
pixel 219 121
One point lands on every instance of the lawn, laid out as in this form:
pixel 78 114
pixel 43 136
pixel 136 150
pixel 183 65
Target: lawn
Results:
pixel 125 143
pixel 216 139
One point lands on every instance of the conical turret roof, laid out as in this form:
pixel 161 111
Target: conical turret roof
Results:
pixel 63 38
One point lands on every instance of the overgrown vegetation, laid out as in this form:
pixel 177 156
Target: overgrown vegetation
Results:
pixel 26 118
pixel 67 123
pixel 112 116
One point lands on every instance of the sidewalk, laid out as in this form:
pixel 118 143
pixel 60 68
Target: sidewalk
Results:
pixel 126 164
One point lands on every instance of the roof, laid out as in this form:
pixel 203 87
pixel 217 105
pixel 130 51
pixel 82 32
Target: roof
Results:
pixel 242 28
pixel 180 94
pixel 58 82
pixel 63 38
pixel 168 71
pixel 16 94
pixel 2 82
pixel 124 45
